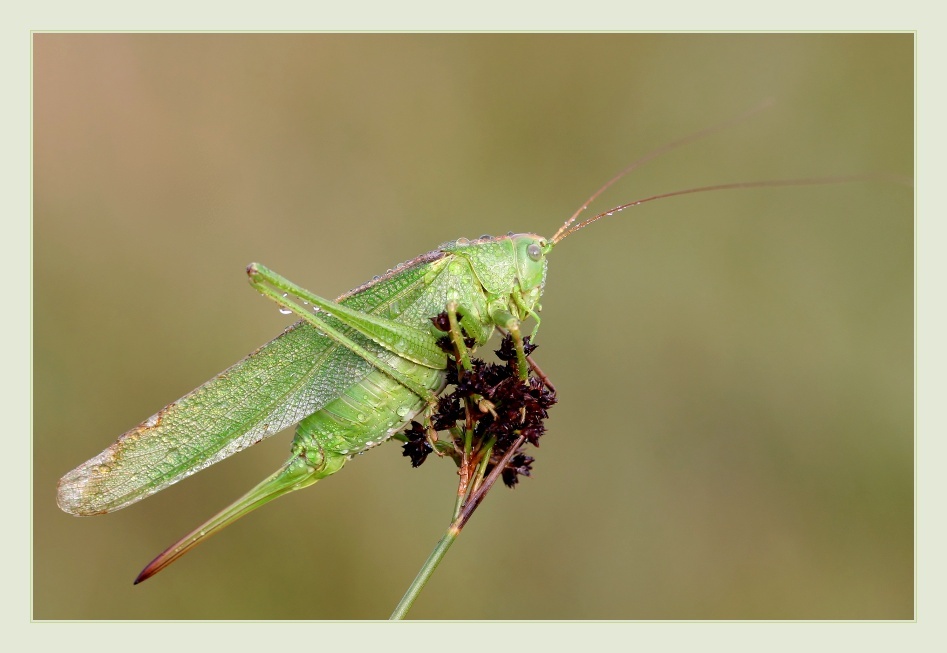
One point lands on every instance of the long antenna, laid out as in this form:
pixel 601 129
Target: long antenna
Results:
pixel 769 183
pixel 696 136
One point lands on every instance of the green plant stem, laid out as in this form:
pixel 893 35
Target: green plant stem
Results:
pixel 481 468
pixel 425 574
pixel 452 532
pixel 481 492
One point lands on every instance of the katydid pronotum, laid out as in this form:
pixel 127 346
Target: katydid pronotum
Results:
pixel 351 373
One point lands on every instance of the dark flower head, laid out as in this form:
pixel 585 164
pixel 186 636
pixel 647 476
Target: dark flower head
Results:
pixel 417 447
pixel 441 322
pixel 507 350
pixel 445 344
pixel 502 407
pixel 449 410
pixel 519 465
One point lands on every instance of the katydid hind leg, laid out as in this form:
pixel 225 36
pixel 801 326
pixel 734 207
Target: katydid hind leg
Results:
pixel 417 345
pixel 296 474
pixel 411 335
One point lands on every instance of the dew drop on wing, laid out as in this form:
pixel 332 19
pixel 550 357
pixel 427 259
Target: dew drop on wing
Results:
pixel 403 410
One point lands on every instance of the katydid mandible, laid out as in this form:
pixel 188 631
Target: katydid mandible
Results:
pixel 351 373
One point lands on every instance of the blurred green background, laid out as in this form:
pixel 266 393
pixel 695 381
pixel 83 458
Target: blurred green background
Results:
pixel 735 433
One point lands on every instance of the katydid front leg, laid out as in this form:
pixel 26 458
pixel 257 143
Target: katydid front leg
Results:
pixel 503 318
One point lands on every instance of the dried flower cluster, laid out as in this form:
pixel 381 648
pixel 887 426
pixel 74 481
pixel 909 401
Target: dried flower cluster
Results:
pixel 493 403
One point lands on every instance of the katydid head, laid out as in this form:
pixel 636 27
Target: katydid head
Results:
pixel 530 251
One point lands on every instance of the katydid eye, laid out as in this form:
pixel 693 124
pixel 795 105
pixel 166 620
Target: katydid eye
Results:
pixel 534 252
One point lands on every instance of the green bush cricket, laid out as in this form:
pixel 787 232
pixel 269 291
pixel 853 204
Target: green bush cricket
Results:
pixel 350 374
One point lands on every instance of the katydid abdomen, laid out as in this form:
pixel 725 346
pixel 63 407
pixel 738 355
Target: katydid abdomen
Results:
pixel 367 413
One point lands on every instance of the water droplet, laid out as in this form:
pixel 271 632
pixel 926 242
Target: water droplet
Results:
pixel 310 469
pixel 403 410
pixel 461 241
pixel 376 278
pixel 370 443
pixel 343 451
pixel 362 417
pixel 401 345
pixel 316 309
pixel 486 237
pixel 284 310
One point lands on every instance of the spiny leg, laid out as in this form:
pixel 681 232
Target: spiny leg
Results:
pixel 537 370
pixel 457 336
pixel 528 312
pixel 506 320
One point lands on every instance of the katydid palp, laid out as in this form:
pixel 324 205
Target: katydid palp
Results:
pixel 351 373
